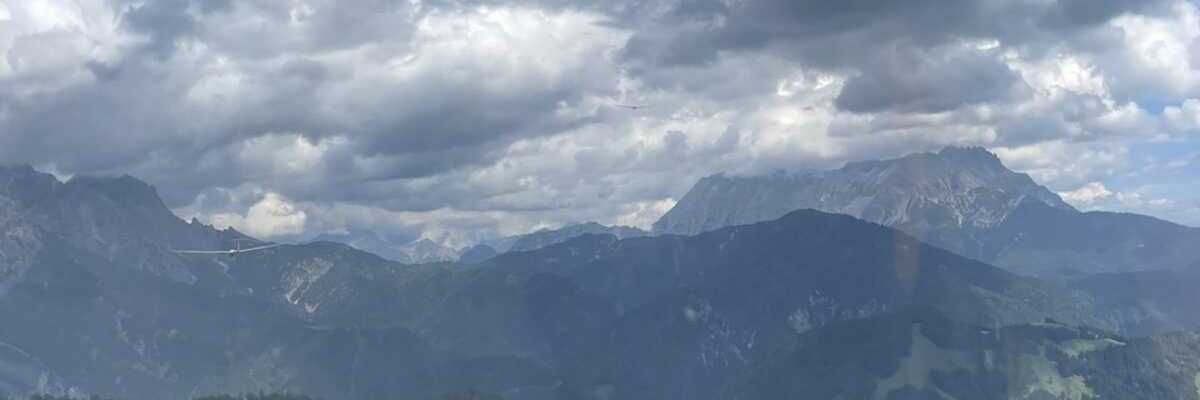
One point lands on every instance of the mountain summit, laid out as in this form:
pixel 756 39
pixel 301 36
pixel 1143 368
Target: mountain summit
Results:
pixel 119 219
pixel 919 192
pixel 961 199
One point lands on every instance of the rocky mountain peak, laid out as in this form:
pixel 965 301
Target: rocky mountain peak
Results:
pixel 546 237
pixel 427 251
pixel 954 186
pixel 123 189
pixel 970 154
pixel 25 185
pixel 121 219
pixel 972 166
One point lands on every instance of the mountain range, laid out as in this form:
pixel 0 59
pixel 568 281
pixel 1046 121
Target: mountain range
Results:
pixel 805 304
pixel 421 251
pixel 962 199
pixel 921 192
pixel 408 251
pixel 544 237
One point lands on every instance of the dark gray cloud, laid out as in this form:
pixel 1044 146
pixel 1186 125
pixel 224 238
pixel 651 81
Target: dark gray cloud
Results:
pixel 161 110
pixel 457 116
pixel 838 34
pixel 165 22
pixel 899 50
pixel 1074 13
pixel 907 80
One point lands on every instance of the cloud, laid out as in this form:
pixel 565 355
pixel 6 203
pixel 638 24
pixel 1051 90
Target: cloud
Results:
pixel 1183 119
pixel 271 217
pixel 927 81
pixel 467 119
pixel 1148 200
pixel 644 214
pixel 1063 164
pixel 1087 194
pixel 164 23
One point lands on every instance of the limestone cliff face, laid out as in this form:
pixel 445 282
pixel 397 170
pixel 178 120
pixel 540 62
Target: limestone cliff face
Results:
pixel 121 220
pixel 953 187
pixel 961 199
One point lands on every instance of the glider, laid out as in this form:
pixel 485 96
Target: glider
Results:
pixel 237 250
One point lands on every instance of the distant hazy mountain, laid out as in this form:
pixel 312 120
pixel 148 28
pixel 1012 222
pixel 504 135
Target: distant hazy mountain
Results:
pixel 543 238
pixel 963 199
pixel 409 251
pixel 427 251
pixel 477 253
pixel 546 237
pixel 954 187
pixel 1039 240
pixel 810 305
pixel 368 241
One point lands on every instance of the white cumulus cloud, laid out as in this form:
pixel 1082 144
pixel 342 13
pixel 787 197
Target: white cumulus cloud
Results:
pixel 1087 194
pixel 270 217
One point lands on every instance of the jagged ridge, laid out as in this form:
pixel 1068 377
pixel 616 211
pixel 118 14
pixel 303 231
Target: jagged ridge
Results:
pixel 923 191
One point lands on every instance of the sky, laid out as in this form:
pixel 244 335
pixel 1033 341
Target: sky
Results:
pixel 461 120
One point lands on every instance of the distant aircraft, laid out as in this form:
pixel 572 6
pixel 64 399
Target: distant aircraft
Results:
pixel 236 250
pixel 630 106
